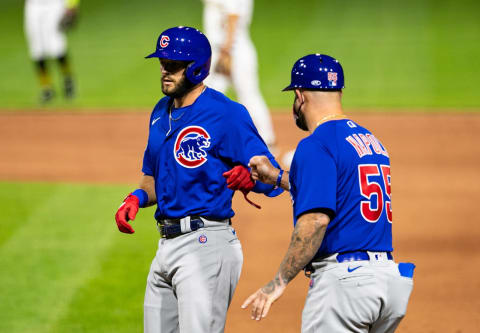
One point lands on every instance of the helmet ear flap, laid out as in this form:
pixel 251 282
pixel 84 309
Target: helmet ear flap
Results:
pixel 197 73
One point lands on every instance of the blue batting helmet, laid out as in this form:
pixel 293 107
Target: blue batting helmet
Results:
pixel 186 44
pixel 317 71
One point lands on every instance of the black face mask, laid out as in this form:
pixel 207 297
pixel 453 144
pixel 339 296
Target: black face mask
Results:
pixel 299 117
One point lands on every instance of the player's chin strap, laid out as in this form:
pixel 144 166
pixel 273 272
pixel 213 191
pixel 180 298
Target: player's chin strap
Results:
pixel 250 201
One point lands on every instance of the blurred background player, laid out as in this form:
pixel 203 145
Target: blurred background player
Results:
pixel 46 22
pixel 234 58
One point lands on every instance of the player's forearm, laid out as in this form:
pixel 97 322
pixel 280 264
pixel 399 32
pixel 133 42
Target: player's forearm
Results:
pixel 266 170
pixel 285 182
pixel 147 183
pixel 273 178
pixel 305 242
pixel 230 33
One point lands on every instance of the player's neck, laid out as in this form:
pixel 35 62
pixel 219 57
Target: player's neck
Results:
pixel 190 97
pixel 320 113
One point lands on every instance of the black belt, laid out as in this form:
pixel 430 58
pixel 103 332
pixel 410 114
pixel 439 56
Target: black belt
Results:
pixel 171 228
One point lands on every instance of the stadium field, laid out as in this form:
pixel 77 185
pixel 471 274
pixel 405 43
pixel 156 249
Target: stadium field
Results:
pixel 66 268
pixel 412 76
pixel 409 54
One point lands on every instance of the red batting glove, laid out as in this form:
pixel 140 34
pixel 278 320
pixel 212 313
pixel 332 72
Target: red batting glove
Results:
pixel 238 178
pixel 127 212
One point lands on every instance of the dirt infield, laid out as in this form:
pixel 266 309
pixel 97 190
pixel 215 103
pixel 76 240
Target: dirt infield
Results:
pixel 436 187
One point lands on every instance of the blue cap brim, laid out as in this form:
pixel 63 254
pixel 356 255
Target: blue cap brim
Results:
pixel 163 54
pixel 159 54
pixel 289 87
pixel 153 55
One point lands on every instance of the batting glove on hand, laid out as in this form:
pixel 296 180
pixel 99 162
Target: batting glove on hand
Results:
pixel 127 212
pixel 238 178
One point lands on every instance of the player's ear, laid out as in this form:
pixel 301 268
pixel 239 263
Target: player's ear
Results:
pixel 299 95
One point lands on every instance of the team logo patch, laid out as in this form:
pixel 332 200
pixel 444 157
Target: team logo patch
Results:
pixel 202 239
pixel 332 79
pixel 190 145
pixel 164 41
pixel 316 83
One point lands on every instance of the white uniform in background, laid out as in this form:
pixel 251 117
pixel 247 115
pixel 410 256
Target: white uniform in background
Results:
pixel 42 28
pixel 244 73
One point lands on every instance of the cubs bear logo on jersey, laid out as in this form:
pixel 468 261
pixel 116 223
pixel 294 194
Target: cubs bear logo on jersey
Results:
pixel 190 145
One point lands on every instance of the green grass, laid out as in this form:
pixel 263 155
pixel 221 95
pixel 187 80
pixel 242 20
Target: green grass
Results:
pixel 65 266
pixel 396 54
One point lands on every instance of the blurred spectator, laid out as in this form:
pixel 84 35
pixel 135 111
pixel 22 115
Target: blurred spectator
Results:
pixel 234 59
pixel 46 23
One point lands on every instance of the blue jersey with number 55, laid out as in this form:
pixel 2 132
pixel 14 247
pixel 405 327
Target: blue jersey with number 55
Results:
pixel 343 169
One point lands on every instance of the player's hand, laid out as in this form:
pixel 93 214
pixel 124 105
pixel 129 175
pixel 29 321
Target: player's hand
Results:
pixel 238 178
pixel 263 170
pixel 263 298
pixel 69 19
pixel 224 63
pixel 127 212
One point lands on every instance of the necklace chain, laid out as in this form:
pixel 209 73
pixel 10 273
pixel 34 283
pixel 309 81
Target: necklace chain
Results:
pixel 170 114
pixel 330 116
pixel 170 118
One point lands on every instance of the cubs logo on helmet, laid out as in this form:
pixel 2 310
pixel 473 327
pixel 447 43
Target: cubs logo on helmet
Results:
pixel 190 145
pixel 164 41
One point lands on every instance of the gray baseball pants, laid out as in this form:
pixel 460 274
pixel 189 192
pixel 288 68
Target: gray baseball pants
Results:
pixel 356 296
pixel 192 280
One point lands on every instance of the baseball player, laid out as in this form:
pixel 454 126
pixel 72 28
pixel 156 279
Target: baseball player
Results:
pixel 196 135
pixel 234 58
pixel 46 22
pixel 340 186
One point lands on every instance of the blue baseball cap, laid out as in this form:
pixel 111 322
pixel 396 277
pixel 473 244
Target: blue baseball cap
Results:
pixel 318 72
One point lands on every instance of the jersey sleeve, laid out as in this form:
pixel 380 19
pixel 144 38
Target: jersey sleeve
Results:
pixel 148 165
pixel 315 178
pixel 241 142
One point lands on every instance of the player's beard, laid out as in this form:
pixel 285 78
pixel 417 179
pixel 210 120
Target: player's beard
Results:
pixel 299 116
pixel 182 87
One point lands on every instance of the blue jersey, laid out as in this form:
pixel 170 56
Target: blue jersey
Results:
pixel 343 168
pixel 188 152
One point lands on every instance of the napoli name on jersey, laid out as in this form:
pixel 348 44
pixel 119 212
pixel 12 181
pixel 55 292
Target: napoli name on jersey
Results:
pixel 352 182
